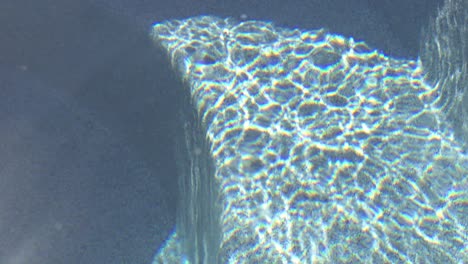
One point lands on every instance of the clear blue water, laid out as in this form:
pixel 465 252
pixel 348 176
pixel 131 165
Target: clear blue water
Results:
pixel 87 116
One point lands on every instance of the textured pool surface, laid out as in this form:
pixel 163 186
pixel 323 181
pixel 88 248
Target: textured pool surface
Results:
pixel 308 147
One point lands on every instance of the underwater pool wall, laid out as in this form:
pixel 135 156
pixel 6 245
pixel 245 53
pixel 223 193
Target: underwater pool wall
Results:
pixel 301 146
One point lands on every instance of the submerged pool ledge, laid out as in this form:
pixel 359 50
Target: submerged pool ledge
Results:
pixel 301 146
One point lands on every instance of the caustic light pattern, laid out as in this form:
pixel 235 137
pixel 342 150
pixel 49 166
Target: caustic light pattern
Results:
pixel 324 150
